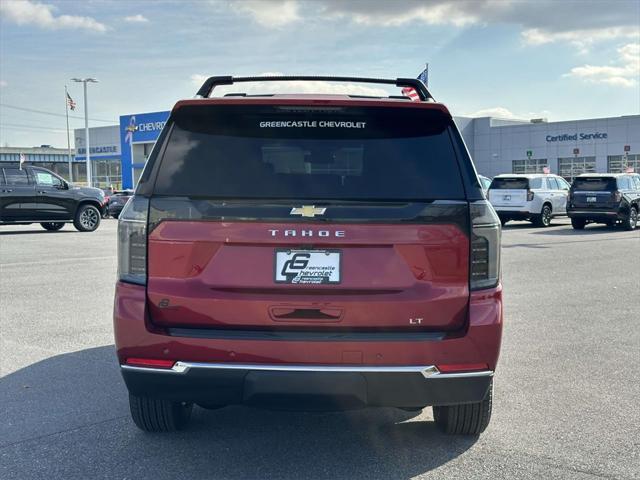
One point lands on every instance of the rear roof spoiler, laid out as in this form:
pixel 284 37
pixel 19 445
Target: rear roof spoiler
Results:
pixel 212 82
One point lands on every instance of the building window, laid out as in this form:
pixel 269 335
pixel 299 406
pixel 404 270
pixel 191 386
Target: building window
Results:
pixel 530 165
pixel 106 173
pixel 620 163
pixel 571 167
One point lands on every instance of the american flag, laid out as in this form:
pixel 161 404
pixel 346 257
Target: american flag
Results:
pixel 546 170
pixel 411 93
pixel 72 104
pixel 424 76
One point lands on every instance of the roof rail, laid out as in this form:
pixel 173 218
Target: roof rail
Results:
pixel 212 82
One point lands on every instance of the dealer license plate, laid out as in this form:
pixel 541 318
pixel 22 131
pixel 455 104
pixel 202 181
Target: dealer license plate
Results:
pixel 591 199
pixel 307 266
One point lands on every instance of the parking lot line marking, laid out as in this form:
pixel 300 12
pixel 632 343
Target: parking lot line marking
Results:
pixel 57 260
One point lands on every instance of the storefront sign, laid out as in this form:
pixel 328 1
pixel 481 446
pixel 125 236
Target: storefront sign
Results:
pixel 575 137
pixel 100 149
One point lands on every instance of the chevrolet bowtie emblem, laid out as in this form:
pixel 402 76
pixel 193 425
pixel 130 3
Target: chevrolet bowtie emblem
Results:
pixel 307 211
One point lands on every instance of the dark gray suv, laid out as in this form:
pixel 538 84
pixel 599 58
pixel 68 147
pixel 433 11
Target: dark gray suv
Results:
pixel 37 195
pixel 608 198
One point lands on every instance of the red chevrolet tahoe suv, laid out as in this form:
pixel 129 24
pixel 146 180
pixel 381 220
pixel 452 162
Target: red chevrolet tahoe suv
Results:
pixel 309 252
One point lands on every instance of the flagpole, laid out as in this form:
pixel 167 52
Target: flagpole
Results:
pixel 66 109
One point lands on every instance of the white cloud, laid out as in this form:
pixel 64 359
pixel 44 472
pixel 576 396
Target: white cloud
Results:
pixel 196 79
pixel 497 112
pixel 506 114
pixel 542 21
pixel 269 13
pixel 580 38
pixel 26 12
pixel 136 19
pixel 625 73
pixel 3 84
pixel 316 87
pixel 387 14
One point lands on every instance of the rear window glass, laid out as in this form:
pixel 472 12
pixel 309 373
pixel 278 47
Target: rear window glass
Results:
pixel 15 176
pixel 302 152
pixel 596 184
pixel 510 183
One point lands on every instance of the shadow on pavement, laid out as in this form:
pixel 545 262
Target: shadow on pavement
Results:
pixel 67 417
pixel 31 232
pixel 569 231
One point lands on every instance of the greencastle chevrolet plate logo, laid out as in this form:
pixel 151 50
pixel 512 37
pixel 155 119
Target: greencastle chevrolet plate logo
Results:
pixel 309 211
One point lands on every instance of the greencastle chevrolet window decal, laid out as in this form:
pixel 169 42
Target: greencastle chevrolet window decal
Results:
pixel 312 124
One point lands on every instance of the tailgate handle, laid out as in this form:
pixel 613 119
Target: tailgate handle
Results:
pixel 304 313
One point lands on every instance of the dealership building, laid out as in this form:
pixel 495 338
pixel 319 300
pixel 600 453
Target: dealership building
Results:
pixel 566 148
pixel 119 152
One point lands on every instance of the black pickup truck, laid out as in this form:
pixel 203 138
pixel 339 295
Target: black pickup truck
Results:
pixel 608 198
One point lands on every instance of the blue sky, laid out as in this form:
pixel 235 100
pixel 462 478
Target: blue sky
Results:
pixel 560 60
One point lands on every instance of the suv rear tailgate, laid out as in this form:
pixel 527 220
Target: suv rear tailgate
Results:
pixel 372 194
pixel 594 193
pixel 508 198
pixel 222 274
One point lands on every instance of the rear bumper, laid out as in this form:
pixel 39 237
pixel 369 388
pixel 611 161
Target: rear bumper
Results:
pixel 385 371
pixel 594 214
pixel 307 386
pixel 510 212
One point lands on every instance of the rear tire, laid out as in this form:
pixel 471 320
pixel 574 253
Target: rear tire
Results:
pixel 154 415
pixel 578 223
pixel 52 226
pixel 87 218
pixel 465 419
pixel 544 218
pixel 631 221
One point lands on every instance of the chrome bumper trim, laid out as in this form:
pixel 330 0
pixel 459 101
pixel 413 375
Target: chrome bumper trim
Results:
pixel 428 371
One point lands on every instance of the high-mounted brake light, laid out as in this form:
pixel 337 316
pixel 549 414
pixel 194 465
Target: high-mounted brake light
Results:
pixel 484 271
pixel 132 241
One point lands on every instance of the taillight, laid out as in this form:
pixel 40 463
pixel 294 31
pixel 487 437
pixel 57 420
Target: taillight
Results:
pixel 617 196
pixel 149 362
pixel 485 246
pixel 132 241
pixel 529 195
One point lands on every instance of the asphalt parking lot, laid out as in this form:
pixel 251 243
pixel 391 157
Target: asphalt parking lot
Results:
pixel 566 397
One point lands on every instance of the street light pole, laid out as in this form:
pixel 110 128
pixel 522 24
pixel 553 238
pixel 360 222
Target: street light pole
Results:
pixel 84 81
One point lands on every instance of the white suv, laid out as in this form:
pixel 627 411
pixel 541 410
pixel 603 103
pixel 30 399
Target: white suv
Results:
pixel 534 197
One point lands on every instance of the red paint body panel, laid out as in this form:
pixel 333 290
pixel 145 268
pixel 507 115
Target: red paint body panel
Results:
pixel 221 274
pixel 478 343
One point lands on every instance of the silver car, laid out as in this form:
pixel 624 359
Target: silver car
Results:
pixel 534 197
